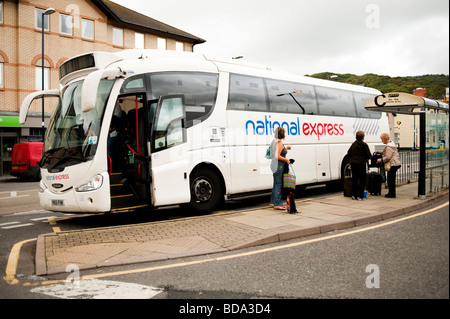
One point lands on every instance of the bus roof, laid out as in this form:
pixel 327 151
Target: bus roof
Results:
pixel 135 61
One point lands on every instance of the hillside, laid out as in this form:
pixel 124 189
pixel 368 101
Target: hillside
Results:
pixel 434 83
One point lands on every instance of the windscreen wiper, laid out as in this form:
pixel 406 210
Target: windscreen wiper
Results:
pixel 46 155
pixel 291 94
pixel 63 158
pixel 51 155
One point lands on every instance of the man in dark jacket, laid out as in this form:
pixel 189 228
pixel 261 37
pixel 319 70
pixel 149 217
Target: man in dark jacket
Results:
pixel 359 153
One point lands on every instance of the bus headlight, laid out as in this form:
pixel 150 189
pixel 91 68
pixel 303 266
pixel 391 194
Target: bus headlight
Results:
pixel 92 184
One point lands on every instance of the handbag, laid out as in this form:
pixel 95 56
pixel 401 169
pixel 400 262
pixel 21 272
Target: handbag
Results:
pixel 269 154
pixel 387 166
pixel 289 179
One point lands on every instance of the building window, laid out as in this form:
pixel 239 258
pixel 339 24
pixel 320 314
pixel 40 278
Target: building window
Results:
pixel 1 11
pixel 87 29
pixel 65 24
pixel 39 13
pixel 38 73
pixel 1 74
pixel 118 37
pixel 138 41
pixel 161 44
pixel 179 46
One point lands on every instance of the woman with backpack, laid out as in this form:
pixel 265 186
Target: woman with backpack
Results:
pixel 279 160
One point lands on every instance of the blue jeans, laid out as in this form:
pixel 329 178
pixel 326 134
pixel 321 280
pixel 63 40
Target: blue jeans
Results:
pixel 277 190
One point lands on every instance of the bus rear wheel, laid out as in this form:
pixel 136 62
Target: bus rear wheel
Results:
pixel 206 191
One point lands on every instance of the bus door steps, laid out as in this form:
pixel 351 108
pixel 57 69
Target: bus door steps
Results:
pixel 123 197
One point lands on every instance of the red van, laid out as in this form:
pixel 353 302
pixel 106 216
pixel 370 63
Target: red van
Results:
pixel 25 160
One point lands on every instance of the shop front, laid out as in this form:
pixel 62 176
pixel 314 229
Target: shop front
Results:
pixel 12 132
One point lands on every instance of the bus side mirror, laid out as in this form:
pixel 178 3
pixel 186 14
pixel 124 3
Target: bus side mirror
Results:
pixel 90 86
pixel 29 99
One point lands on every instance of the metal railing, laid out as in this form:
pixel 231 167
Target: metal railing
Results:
pixel 437 169
pixel 410 166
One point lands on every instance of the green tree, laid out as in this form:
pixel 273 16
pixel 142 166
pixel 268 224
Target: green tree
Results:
pixel 434 83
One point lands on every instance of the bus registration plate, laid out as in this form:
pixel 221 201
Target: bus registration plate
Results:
pixel 57 202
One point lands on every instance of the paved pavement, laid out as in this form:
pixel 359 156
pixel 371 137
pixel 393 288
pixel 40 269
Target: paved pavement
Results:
pixel 219 232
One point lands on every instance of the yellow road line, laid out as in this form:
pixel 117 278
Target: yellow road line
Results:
pixel 52 221
pixel 131 207
pixel 120 196
pixel 11 267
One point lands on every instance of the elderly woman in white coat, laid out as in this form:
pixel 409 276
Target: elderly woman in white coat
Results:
pixel 390 154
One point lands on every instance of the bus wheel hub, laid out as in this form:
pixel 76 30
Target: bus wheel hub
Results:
pixel 202 189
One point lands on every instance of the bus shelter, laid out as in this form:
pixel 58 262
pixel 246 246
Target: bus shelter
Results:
pixel 409 104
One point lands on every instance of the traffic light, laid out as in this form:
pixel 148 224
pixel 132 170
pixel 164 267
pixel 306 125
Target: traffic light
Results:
pixel 398 122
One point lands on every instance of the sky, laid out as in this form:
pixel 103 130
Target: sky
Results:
pixel 385 37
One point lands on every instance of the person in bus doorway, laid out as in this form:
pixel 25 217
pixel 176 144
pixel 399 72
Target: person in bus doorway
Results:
pixel 390 154
pixel 359 153
pixel 279 160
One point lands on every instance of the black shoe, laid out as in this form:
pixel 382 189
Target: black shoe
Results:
pixel 389 196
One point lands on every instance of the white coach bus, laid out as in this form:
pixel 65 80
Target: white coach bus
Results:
pixel 142 128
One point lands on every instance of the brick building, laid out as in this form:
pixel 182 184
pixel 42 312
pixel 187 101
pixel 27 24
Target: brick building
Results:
pixel 420 92
pixel 76 27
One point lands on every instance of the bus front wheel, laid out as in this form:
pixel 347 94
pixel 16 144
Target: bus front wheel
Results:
pixel 206 190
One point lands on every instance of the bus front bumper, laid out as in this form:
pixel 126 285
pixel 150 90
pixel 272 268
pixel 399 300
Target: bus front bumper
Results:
pixel 95 201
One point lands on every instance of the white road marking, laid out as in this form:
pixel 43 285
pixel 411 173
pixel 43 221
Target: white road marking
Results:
pixel 10 223
pixel 32 212
pixel 16 196
pixel 16 226
pixel 98 289
pixel 45 219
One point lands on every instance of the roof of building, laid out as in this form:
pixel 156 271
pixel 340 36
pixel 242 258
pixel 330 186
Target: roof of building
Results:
pixel 121 14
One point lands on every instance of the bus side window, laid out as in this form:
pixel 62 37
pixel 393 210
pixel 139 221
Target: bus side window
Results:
pixel 199 90
pixel 281 101
pixel 133 84
pixel 333 102
pixel 247 93
pixel 360 100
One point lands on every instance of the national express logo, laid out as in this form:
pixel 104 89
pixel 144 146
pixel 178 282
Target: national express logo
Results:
pixel 296 127
pixel 57 177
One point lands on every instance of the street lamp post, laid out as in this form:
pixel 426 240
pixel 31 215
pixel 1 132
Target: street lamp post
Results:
pixel 49 11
